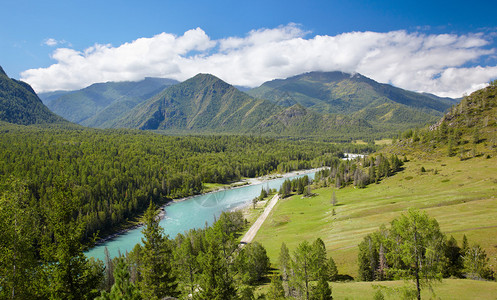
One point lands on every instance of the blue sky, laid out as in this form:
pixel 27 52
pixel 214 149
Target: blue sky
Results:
pixel 446 47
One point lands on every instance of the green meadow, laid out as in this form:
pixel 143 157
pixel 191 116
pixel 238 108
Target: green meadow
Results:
pixel 460 194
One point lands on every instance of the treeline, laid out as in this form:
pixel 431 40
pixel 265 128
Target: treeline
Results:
pixel 299 185
pixel 115 174
pixel 414 248
pixel 359 172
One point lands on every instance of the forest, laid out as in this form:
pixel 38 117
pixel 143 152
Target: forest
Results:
pixel 115 174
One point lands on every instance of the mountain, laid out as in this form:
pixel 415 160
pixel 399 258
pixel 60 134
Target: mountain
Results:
pixel 101 103
pixel 206 104
pixel 203 103
pixel 355 95
pixel 296 120
pixel 19 104
pixel 48 97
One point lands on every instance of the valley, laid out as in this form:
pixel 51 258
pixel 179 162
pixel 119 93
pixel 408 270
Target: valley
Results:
pixel 169 140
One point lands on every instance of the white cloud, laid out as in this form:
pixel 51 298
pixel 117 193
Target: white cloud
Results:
pixel 415 61
pixel 53 42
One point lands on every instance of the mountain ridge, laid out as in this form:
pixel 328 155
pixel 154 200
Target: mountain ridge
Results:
pixel 99 104
pixel 354 95
pixel 20 105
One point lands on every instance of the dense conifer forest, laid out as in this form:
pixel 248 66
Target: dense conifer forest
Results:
pixel 115 174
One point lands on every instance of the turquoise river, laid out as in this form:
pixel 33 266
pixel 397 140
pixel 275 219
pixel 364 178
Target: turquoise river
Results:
pixel 193 212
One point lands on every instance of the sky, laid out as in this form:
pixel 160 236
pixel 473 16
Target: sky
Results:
pixel 448 48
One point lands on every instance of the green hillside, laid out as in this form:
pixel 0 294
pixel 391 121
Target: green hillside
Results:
pixel 299 121
pixel 450 173
pixel 206 104
pixel 101 103
pixel 19 104
pixel 382 105
pixel 201 104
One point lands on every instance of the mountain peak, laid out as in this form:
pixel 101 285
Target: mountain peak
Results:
pixel 2 72
pixel 205 78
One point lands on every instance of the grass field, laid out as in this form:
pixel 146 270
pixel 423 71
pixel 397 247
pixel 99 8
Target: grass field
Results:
pixel 449 289
pixel 461 195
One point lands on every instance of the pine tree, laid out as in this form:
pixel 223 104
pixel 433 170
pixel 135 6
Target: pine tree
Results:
pixel 215 282
pixel 475 263
pixel 123 288
pixel 72 275
pixel 382 264
pixel 418 243
pixel 322 290
pixel 18 231
pixel 109 270
pixel 185 257
pixel 285 261
pixel 319 261
pixel 465 245
pixel 158 280
pixel 302 267
pixel 332 269
pixel 276 290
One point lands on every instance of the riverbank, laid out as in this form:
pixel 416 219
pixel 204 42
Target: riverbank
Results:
pixel 235 185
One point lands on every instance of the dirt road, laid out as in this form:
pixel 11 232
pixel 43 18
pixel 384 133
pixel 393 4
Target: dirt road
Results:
pixel 249 236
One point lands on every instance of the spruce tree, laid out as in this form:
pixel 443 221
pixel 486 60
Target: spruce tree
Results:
pixel 322 290
pixel 158 280
pixel 123 288
pixel 276 290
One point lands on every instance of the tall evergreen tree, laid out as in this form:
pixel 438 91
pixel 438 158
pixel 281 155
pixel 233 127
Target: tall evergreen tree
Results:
pixel 319 262
pixel 276 290
pixel 123 288
pixel 302 266
pixel 215 282
pixel 285 261
pixel 72 275
pixel 158 280
pixel 322 290
pixel 18 231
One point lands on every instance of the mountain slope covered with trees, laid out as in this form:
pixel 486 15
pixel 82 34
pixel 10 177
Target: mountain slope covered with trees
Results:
pixel 101 103
pixel 19 104
pixel 356 96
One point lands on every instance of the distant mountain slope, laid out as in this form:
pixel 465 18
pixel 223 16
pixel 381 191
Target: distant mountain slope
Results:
pixel 299 121
pixel 100 104
pixel 354 95
pixel 202 103
pixel 206 104
pixel 19 104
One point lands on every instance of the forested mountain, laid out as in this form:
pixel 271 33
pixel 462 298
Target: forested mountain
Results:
pixel 101 103
pixel 206 104
pixel 357 96
pixel 203 103
pixel 19 104
pixel 299 121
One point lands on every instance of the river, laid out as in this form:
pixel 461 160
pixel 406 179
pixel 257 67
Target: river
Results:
pixel 193 212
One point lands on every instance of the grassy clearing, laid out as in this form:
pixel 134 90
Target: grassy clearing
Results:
pixel 448 289
pixel 459 194
pixel 376 142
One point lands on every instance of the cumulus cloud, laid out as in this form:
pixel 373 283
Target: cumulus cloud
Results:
pixel 434 63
